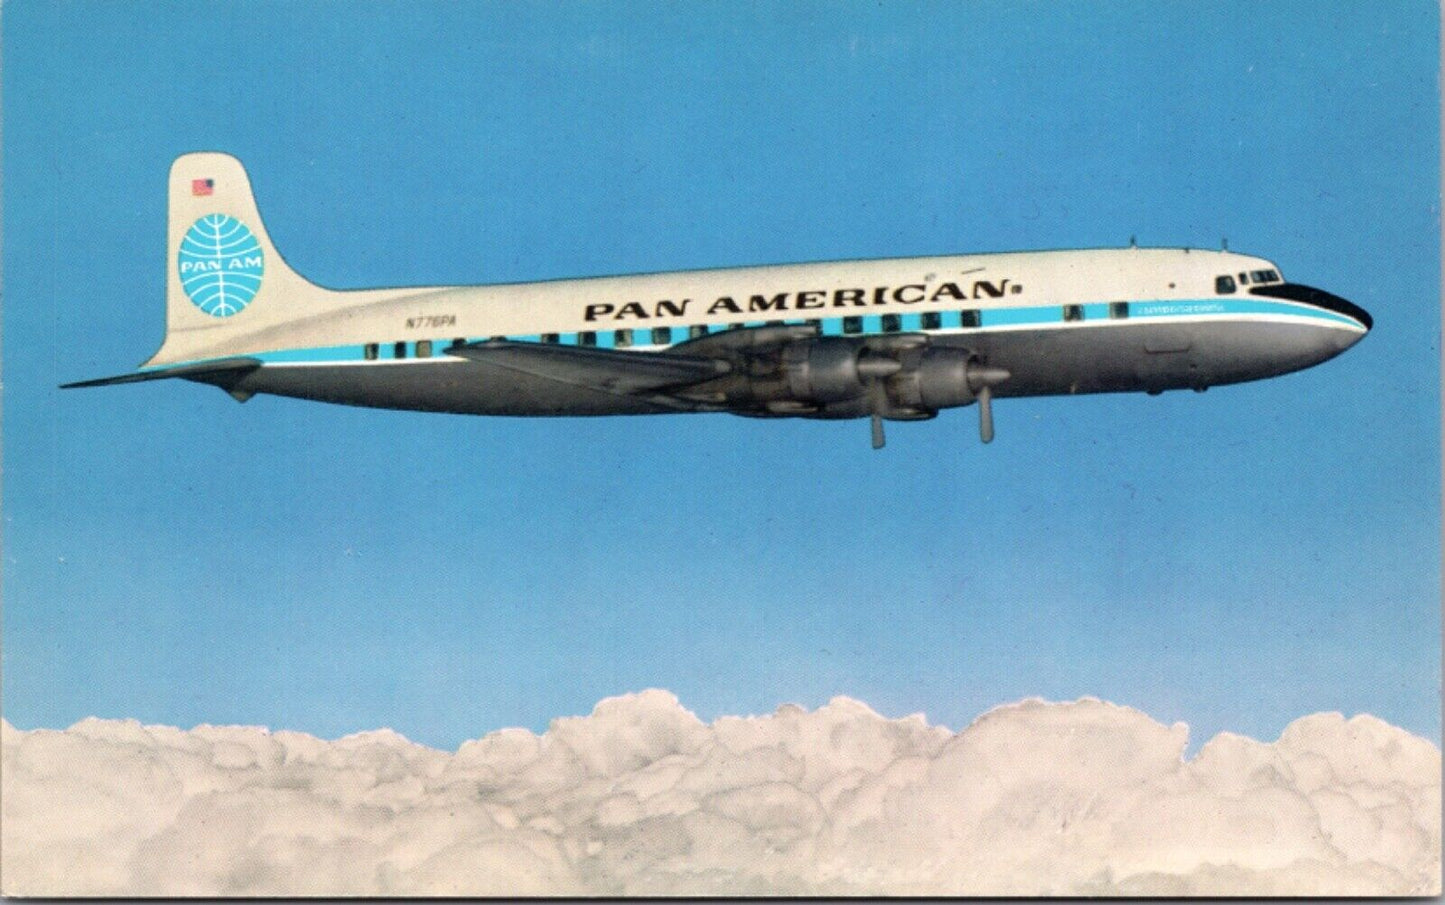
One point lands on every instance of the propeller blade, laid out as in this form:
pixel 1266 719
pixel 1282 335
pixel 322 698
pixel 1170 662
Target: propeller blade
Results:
pixel 985 414
pixel 877 402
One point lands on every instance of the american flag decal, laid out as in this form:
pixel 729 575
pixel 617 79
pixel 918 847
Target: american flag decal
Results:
pixel 202 186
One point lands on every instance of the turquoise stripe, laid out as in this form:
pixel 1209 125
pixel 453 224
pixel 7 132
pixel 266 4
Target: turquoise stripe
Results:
pixel 999 317
pixel 1235 306
pixel 833 326
pixel 325 353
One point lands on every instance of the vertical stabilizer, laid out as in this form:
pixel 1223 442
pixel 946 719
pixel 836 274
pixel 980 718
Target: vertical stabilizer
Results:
pixel 224 278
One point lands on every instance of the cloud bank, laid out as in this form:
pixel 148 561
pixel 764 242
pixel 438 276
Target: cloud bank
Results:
pixel 641 797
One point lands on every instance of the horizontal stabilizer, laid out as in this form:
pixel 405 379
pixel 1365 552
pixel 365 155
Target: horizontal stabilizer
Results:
pixel 607 370
pixel 235 367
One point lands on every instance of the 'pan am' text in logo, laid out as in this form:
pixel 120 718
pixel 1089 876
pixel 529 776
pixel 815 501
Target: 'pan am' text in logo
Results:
pixel 220 265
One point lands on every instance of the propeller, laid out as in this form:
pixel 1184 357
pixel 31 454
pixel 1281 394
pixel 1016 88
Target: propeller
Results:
pixel 985 414
pixel 984 378
pixel 873 369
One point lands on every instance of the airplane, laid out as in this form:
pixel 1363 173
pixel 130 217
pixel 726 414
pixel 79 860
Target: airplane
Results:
pixel 896 339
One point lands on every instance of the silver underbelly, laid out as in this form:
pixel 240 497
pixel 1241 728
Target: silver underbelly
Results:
pixel 1108 357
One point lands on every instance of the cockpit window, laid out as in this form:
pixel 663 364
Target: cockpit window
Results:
pixel 1224 284
pixel 1264 276
pixel 1243 278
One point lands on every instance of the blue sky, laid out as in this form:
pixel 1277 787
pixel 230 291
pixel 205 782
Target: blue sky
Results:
pixel 1234 559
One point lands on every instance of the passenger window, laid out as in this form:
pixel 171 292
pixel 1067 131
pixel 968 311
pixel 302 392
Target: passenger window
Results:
pixel 587 338
pixel 735 326
pixel 661 336
pixel 852 325
pixel 696 330
pixel 1224 284
pixel 399 350
pixel 775 323
pixel 932 320
pixel 969 318
pixel 1073 312
pixel 423 348
pixel 458 343
pixel 892 323
pixel 549 337
pixel 1118 309
pixel 370 351
pixel 622 338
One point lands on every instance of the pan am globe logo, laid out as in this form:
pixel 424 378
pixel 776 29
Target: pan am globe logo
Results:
pixel 220 265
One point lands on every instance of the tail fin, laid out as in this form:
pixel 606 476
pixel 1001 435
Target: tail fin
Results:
pixel 224 278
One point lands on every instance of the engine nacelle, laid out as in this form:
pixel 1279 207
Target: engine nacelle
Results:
pixel 943 378
pixel 823 370
pixel 833 377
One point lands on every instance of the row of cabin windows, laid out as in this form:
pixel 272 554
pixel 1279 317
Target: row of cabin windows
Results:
pixel 929 320
pixel 661 336
pixel 372 351
pixel 1117 311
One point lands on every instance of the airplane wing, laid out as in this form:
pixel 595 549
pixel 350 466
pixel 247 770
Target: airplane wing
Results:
pixel 613 371
pixel 752 341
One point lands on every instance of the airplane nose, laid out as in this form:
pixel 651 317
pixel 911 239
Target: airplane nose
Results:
pixel 1349 309
pixel 1298 292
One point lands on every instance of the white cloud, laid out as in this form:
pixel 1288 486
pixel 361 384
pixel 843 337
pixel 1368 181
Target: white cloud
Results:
pixel 642 797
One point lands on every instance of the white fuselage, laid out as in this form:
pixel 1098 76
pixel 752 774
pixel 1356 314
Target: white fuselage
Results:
pixel 1007 291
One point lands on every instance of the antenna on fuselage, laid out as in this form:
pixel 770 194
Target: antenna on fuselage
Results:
pixel 1224 243
pixel 1133 242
